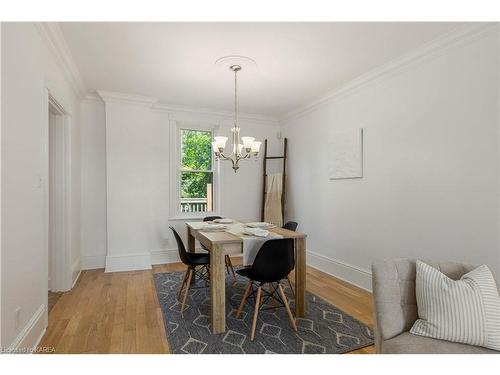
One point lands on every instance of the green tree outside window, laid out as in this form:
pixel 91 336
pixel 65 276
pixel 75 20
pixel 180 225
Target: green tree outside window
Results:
pixel 196 165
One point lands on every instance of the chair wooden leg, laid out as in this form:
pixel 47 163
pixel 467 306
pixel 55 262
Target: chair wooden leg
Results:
pixel 287 307
pixel 229 265
pixel 188 284
pixel 256 313
pixel 243 300
pixel 290 283
pixel 183 283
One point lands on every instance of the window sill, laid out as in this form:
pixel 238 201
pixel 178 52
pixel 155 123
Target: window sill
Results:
pixel 195 217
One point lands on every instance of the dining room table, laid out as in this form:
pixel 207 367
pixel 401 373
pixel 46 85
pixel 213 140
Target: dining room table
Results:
pixel 231 240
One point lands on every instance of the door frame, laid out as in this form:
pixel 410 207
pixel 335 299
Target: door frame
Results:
pixel 61 275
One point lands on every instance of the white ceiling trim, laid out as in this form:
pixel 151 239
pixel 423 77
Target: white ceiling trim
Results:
pixel 155 105
pixel 436 46
pixel 52 36
pixel 93 96
pixel 118 97
pixel 172 108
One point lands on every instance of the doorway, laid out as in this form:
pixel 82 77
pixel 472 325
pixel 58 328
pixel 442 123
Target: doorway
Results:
pixel 57 195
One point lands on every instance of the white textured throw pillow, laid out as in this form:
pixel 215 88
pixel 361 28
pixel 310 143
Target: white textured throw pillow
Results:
pixel 465 311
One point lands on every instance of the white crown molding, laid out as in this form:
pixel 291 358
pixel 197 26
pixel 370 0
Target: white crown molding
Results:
pixel 93 96
pixel 118 97
pixel 174 110
pixel 432 48
pixel 54 40
pixel 179 109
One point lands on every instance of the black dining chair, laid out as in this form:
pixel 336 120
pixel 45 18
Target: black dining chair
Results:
pixel 291 225
pixel 229 264
pixel 271 265
pixel 198 265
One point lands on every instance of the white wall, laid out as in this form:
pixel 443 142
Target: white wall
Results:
pixel 28 69
pixel 1 299
pixel 431 165
pixel 132 140
pixel 137 185
pixel 93 184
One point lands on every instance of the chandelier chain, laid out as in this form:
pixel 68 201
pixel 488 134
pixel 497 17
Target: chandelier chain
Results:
pixel 235 98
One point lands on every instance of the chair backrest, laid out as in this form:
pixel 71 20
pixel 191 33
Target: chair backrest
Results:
pixel 291 225
pixel 274 261
pixel 395 303
pixel 211 218
pixel 180 247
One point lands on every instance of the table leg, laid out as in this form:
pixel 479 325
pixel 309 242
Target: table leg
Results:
pixel 300 277
pixel 218 289
pixel 191 249
pixel 190 246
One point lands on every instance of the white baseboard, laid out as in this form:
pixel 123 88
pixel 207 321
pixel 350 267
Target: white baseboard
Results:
pixel 133 262
pixel 128 262
pixel 92 262
pixel 165 256
pixel 32 333
pixel 76 269
pixel 341 270
pixel 76 279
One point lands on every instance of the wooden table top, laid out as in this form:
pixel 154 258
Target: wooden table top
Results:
pixel 223 237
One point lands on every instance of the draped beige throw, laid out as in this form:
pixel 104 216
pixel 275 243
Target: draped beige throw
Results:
pixel 272 206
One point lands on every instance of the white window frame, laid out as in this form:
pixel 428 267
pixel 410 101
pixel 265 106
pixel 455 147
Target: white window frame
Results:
pixel 176 169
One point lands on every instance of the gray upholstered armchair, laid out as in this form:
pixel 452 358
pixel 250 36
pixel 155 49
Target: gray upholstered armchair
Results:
pixel 396 309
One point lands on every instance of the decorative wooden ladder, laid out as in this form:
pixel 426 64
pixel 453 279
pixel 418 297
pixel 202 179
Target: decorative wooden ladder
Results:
pixel 264 178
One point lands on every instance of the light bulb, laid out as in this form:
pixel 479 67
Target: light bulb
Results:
pixel 256 146
pixel 221 142
pixel 247 143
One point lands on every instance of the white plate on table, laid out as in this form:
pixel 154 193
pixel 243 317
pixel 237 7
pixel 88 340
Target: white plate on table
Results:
pixel 223 221
pixel 213 228
pixel 260 224
pixel 257 232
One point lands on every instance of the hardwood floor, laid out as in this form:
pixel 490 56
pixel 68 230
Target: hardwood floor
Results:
pixel 119 312
pixel 53 298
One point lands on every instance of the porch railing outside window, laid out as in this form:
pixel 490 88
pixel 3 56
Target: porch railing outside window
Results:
pixel 194 205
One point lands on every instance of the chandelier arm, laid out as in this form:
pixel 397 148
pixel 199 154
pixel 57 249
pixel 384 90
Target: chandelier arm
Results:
pixel 246 156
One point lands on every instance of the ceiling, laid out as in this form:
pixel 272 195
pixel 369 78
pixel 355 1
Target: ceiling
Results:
pixel 296 62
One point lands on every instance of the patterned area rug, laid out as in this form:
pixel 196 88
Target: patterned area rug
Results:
pixel 325 329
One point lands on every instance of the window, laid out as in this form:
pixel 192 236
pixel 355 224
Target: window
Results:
pixel 196 174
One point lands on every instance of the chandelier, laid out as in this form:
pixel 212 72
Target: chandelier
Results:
pixel 241 147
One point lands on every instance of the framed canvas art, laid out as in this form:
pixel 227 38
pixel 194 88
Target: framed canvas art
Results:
pixel 345 154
